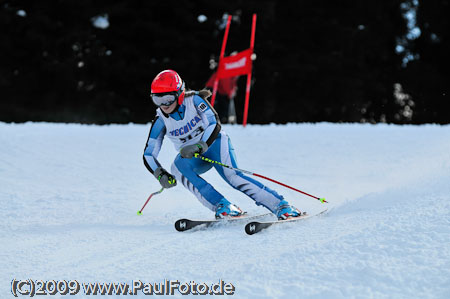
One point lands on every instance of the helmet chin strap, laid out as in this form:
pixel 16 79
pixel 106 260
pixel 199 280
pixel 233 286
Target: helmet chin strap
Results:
pixel 176 107
pixel 174 110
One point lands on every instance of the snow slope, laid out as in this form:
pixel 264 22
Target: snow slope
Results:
pixel 69 196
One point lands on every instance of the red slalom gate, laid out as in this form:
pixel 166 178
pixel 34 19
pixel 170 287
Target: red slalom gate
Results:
pixel 236 65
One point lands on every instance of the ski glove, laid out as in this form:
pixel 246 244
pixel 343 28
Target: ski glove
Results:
pixel 190 150
pixel 165 179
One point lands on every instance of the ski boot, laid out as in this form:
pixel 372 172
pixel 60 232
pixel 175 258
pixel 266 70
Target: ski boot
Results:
pixel 225 209
pixel 286 211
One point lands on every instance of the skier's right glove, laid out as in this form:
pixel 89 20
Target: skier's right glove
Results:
pixel 165 179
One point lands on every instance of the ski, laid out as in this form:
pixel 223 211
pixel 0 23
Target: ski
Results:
pixel 182 225
pixel 255 226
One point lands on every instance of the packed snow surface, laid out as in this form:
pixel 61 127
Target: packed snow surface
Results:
pixel 69 196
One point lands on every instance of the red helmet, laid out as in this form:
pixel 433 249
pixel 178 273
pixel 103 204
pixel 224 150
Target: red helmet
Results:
pixel 167 82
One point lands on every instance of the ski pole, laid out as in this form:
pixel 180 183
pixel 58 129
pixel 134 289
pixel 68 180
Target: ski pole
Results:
pixel 322 200
pixel 151 195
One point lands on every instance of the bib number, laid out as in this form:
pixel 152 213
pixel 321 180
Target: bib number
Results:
pixel 194 134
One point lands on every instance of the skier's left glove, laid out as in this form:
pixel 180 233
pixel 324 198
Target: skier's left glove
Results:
pixel 190 150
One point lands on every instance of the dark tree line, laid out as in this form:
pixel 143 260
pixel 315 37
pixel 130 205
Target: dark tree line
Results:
pixel 337 61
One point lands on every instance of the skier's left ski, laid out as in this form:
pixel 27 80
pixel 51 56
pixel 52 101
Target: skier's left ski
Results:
pixel 182 225
pixel 255 226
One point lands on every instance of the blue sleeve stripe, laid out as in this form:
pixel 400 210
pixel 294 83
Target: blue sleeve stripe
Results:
pixel 154 143
pixel 157 128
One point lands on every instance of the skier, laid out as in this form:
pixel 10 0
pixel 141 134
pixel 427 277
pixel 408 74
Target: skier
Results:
pixel 192 124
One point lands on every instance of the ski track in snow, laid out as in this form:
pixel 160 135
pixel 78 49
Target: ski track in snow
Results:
pixel 69 196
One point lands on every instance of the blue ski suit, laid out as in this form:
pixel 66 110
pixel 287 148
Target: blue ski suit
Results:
pixel 193 121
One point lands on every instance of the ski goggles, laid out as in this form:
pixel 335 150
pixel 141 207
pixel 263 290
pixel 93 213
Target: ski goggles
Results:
pixel 164 99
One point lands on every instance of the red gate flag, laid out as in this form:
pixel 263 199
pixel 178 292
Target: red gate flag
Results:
pixel 236 65
pixel 227 86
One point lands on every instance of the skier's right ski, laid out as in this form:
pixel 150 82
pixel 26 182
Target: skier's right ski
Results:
pixel 255 226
